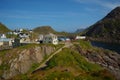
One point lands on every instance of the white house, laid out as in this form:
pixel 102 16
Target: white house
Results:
pixel 41 37
pixel 17 31
pixel 23 35
pixel 3 36
pixel 80 37
pixel 5 41
pixel 24 38
pixel 21 30
pixel 50 38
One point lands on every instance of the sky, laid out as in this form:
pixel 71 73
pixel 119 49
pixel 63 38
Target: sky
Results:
pixel 61 15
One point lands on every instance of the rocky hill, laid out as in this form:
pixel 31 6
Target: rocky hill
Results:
pixel 44 30
pixel 49 29
pixel 80 62
pixel 70 65
pixel 79 30
pixel 107 29
pixel 23 59
pixel 3 28
pixel 106 58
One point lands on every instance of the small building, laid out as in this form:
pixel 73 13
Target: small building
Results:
pixel 50 38
pixel 3 36
pixel 24 35
pixel 67 39
pixel 40 38
pixel 64 39
pixel 61 38
pixel 5 42
pixel 80 37
pixel 24 38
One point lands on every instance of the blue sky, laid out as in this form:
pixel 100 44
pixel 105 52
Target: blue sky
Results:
pixel 62 15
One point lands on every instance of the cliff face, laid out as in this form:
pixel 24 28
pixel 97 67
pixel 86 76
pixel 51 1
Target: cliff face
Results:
pixel 68 65
pixel 107 59
pixel 20 61
pixel 108 28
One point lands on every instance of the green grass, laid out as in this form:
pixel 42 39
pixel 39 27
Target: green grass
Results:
pixel 59 76
pixel 27 46
pixel 72 62
pixel 66 65
pixel 13 53
pixel 71 58
pixel 33 67
pixel 85 44
pixel 20 77
pixel 3 28
pixel 3 52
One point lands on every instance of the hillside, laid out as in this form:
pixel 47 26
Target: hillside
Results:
pixel 69 65
pixel 3 28
pixel 107 29
pixel 44 30
pixel 49 29
pixel 23 59
pixel 81 61
pixel 79 30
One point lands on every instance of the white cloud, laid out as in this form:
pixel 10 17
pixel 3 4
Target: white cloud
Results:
pixel 110 5
pixel 103 3
pixel 19 14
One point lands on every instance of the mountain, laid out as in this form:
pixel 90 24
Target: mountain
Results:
pixel 108 28
pixel 44 30
pixel 49 29
pixel 79 30
pixel 3 29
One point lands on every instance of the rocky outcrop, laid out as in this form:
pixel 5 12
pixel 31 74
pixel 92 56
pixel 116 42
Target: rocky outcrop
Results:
pixel 24 59
pixel 107 29
pixel 107 59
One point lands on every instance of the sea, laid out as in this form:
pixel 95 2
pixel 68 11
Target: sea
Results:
pixel 110 46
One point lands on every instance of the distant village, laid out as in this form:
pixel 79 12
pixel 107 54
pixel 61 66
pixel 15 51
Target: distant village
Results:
pixel 20 37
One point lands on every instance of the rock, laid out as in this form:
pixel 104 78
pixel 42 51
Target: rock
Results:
pixel 107 59
pixel 24 60
pixel 107 29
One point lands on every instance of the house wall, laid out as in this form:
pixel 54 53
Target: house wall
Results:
pixel 80 37
pixel 1 43
pixel 10 43
pixel 55 41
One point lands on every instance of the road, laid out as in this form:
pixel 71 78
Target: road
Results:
pixel 67 44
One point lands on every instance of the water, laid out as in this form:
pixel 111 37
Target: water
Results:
pixel 110 46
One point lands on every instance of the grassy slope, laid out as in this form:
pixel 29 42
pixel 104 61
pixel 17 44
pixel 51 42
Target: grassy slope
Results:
pixel 7 55
pixel 69 65
pixel 3 28
pixel 49 29
pixel 66 65
pixel 44 30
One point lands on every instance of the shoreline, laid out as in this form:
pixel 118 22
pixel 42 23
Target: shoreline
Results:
pixel 111 41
